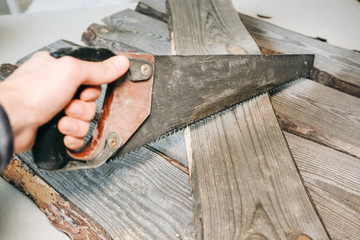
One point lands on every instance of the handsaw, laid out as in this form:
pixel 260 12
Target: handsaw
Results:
pixel 160 95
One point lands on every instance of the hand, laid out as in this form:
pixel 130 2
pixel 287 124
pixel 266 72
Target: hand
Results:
pixel 44 86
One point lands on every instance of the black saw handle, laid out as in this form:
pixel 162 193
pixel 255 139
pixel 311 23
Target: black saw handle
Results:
pixel 49 151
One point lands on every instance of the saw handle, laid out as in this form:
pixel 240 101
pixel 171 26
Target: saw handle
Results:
pixel 49 150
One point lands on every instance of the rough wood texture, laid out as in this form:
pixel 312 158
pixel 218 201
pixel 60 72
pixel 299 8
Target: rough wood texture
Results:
pixel 139 196
pixel 333 181
pixel 253 191
pixel 239 160
pixel 61 213
pixel 335 67
pixel 321 114
pixel 130 31
pixel 208 27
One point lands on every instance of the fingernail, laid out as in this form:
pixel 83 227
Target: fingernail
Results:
pixel 75 109
pixel 68 126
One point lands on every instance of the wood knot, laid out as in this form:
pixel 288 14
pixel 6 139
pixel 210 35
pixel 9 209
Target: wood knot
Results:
pixel 302 237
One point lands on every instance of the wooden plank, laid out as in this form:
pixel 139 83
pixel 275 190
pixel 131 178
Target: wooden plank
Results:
pixel 334 66
pixel 321 114
pixel 130 31
pixel 254 188
pixel 239 159
pixel 333 181
pixel 139 196
pixel 61 213
pixel 208 27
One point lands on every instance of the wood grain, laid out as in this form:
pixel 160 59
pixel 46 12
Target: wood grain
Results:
pixel 139 196
pixel 244 180
pixel 334 66
pixel 130 31
pixel 321 114
pixel 333 181
pixel 208 27
pixel 239 159
pixel 61 213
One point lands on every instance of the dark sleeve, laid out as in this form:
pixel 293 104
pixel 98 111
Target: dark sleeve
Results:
pixel 6 140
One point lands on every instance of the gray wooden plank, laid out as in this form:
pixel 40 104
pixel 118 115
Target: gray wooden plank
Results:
pixel 130 31
pixel 320 113
pixel 234 157
pixel 333 181
pixel 61 213
pixel 334 66
pixel 139 196
pixel 253 190
pixel 208 27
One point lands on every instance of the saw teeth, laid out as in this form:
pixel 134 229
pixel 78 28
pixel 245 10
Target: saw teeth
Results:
pixel 211 116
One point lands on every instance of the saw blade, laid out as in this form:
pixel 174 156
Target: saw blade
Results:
pixel 188 89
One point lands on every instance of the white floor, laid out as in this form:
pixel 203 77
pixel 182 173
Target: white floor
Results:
pixel 49 20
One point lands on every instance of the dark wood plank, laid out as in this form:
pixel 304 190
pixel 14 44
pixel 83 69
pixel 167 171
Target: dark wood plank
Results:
pixel 153 8
pixel 130 31
pixel 208 27
pixel 254 190
pixel 334 66
pixel 61 213
pixel 333 181
pixel 236 178
pixel 321 114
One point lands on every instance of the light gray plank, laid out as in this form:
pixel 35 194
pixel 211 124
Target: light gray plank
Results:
pixel 208 27
pixel 130 31
pixel 321 114
pixel 333 181
pixel 253 190
pixel 139 196
pixel 334 66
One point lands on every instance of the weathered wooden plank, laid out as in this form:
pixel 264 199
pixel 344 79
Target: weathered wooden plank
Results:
pixel 139 196
pixel 208 27
pixel 333 181
pixel 61 213
pixel 321 114
pixel 334 66
pixel 254 189
pixel 239 159
pixel 130 31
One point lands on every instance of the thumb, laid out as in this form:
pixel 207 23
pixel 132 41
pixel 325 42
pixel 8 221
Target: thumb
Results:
pixel 97 73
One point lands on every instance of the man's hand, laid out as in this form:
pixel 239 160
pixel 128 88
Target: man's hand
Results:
pixel 43 86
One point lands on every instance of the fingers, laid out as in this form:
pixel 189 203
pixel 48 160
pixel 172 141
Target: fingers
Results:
pixel 90 93
pixel 81 110
pixel 95 73
pixel 76 124
pixel 73 143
